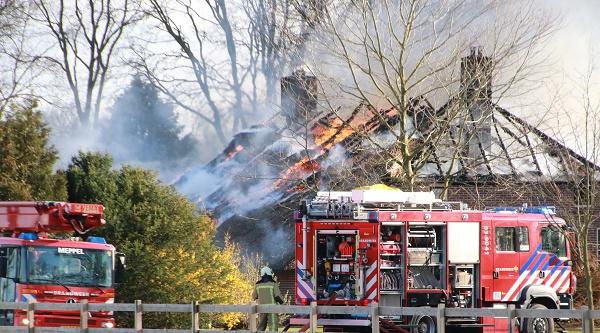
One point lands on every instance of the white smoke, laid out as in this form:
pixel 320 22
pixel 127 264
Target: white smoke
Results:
pixel 199 183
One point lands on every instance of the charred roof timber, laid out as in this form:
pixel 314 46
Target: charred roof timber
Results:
pixel 299 98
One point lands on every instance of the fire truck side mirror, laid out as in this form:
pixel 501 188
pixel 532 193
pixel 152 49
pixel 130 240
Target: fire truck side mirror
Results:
pixel 3 261
pixel 120 267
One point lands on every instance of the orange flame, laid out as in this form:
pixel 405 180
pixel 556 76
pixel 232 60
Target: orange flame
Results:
pixel 232 153
pixel 298 171
pixel 326 140
pixel 338 130
pixel 328 135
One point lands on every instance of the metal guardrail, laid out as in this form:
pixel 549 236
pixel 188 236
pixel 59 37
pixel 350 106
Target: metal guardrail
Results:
pixel 195 309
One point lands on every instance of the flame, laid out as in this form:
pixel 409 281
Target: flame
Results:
pixel 297 188
pixel 325 138
pixel 326 135
pixel 337 130
pixel 232 153
pixel 299 170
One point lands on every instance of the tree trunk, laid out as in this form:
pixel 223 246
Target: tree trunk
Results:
pixel 444 195
pixel 589 283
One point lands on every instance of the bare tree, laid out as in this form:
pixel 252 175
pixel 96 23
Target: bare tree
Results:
pixel 221 17
pixel 9 10
pixel 16 65
pixel 404 54
pixel 229 54
pixel 193 50
pixel 275 35
pixel 87 34
pixel 574 184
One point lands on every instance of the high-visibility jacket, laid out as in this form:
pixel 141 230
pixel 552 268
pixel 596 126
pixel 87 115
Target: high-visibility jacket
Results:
pixel 267 291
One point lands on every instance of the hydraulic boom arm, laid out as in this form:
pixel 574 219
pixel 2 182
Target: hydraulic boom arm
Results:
pixel 49 216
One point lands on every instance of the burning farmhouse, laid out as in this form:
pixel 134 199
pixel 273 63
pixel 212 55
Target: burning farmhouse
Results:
pixel 257 182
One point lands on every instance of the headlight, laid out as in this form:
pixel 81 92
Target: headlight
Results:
pixel 25 321
pixel 107 324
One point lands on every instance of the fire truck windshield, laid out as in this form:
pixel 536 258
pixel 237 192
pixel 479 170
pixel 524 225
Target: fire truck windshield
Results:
pixel 68 266
pixel 553 241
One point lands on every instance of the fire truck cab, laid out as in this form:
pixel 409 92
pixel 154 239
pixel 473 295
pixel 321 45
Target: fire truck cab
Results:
pixel 40 262
pixel 409 249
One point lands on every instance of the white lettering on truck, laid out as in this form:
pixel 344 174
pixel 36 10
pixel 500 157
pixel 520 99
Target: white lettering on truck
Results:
pixel 69 250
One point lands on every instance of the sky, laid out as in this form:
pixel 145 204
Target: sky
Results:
pixel 581 29
pixel 575 43
pixel 571 51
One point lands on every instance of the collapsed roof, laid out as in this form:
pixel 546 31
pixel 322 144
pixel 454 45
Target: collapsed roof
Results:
pixel 259 179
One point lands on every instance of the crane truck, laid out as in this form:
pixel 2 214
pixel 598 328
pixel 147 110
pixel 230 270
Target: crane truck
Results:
pixel 40 262
pixel 409 249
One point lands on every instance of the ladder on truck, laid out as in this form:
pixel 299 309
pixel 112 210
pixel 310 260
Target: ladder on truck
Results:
pixel 356 204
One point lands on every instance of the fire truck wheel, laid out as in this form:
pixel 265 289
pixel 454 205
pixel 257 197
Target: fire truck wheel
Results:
pixel 425 324
pixel 538 325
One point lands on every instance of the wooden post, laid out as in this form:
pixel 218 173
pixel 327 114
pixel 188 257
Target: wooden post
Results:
pixel 252 317
pixel 374 317
pixel 512 321
pixel 83 316
pixel 441 318
pixel 30 317
pixel 195 316
pixel 137 319
pixel 313 317
pixel 586 320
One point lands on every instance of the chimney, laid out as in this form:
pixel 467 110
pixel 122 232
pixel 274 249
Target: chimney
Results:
pixel 298 98
pixel 476 94
pixel 476 76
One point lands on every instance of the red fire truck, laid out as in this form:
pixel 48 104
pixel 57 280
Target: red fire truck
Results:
pixel 410 249
pixel 35 266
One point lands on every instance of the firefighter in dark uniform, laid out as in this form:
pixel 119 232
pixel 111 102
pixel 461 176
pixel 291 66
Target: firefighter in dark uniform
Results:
pixel 266 291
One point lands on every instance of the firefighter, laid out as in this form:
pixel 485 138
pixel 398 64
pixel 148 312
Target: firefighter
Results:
pixel 267 291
